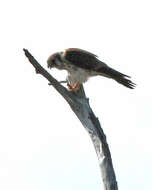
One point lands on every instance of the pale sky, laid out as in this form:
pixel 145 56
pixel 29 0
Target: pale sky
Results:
pixel 43 146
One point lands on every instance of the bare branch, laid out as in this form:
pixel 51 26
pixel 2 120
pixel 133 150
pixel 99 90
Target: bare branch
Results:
pixel 80 106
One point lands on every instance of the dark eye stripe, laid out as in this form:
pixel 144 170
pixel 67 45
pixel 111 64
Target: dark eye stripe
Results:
pixel 58 57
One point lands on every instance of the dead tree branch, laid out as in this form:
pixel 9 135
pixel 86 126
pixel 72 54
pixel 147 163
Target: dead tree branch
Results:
pixel 79 103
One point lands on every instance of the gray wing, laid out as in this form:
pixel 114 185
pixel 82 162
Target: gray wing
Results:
pixel 89 61
pixel 83 59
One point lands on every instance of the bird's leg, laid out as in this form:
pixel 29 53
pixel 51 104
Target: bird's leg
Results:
pixel 71 87
pixel 74 87
pixel 61 82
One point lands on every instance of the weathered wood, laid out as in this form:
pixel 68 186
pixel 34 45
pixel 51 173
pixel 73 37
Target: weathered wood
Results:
pixel 79 103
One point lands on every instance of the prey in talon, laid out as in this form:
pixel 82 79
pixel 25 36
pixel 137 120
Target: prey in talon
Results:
pixel 81 65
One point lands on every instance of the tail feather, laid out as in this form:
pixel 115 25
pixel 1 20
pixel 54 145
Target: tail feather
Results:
pixel 119 77
pixel 126 82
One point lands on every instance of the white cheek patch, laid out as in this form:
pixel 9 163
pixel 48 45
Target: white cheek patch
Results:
pixel 58 62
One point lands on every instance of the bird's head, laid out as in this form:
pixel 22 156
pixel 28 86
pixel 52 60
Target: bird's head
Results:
pixel 55 61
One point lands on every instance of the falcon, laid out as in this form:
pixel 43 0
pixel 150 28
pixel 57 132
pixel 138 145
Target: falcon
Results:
pixel 81 65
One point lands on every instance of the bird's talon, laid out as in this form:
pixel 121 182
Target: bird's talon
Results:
pixel 75 87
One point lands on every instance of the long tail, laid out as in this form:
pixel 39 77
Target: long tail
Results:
pixel 119 77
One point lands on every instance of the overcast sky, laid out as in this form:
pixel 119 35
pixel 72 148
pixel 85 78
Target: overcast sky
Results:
pixel 42 143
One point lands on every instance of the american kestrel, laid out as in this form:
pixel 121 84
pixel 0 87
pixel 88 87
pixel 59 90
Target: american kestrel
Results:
pixel 81 65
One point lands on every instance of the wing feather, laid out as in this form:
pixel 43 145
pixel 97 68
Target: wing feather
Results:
pixel 83 59
pixel 86 60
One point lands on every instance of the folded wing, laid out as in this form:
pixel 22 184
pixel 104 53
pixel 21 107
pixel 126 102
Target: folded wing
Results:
pixel 90 62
